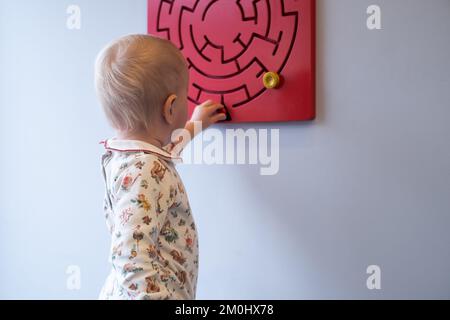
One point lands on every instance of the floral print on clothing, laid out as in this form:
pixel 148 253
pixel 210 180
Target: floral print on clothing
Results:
pixel 154 245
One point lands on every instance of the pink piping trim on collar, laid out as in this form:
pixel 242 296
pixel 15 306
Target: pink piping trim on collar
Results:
pixel 167 156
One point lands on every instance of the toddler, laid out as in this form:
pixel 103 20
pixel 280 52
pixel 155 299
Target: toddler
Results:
pixel 142 84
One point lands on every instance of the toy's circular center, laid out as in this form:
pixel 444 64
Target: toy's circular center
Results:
pixel 224 21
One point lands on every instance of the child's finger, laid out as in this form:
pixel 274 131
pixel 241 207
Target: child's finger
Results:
pixel 215 108
pixel 207 103
pixel 218 117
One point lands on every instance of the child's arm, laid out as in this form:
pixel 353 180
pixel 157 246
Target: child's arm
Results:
pixel 208 113
pixel 140 211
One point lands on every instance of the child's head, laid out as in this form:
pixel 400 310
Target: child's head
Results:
pixel 142 83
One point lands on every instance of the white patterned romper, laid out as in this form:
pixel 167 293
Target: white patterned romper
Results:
pixel 154 244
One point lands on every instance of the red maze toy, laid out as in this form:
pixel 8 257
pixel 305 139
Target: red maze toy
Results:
pixel 257 57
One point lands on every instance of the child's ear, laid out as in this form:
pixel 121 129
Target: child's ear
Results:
pixel 168 109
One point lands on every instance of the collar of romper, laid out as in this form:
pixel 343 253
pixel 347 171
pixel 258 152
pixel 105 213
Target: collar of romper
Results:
pixel 115 144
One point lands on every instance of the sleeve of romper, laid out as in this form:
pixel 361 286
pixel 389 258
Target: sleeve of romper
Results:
pixel 140 210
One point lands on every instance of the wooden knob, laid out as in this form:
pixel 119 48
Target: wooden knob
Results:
pixel 271 80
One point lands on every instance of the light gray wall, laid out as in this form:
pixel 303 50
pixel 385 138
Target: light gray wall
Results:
pixel 367 183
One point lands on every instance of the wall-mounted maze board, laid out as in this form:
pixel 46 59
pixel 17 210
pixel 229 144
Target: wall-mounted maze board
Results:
pixel 238 50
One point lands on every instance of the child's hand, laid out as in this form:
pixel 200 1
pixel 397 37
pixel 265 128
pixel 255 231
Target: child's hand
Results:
pixel 209 113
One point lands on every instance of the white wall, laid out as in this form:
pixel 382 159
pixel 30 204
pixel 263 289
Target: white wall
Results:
pixel 367 183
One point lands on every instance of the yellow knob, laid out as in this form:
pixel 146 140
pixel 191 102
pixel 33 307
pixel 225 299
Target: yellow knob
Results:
pixel 271 80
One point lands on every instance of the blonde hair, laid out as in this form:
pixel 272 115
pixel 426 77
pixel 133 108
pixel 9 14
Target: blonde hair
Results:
pixel 134 76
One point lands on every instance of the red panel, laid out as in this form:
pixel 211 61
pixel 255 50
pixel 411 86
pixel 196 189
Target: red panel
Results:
pixel 231 44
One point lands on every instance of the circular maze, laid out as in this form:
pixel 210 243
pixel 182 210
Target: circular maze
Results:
pixel 229 44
